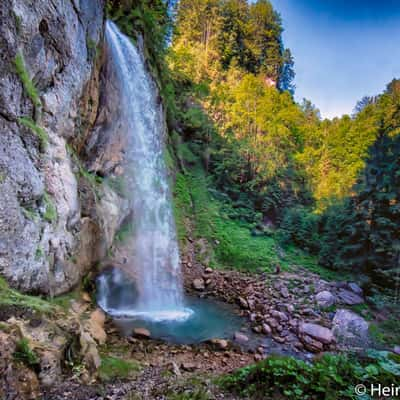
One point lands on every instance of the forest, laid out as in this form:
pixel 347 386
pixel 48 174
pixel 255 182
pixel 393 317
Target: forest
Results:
pixel 156 161
pixel 329 187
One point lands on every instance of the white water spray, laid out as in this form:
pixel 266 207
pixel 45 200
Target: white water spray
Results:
pixel 155 255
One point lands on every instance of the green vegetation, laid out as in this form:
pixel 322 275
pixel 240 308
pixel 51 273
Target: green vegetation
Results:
pixel 91 178
pixel 39 254
pixel 37 130
pixel 23 74
pixel 25 354
pixel 125 232
pixel 387 332
pixel 30 213
pixel 11 297
pixel 328 187
pixel 116 368
pixel 229 242
pixel 50 214
pixel 330 377
pixel 197 394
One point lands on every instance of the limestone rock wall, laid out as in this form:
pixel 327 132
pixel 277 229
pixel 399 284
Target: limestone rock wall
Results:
pixel 52 222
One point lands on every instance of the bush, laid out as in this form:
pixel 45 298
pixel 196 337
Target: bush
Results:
pixel 331 377
pixel 301 227
pixel 25 354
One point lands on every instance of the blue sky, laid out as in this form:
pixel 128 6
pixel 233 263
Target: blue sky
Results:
pixel 343 50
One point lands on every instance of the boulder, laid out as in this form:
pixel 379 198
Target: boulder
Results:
pixel 220 344
pixel 243 303
pixel 355 288
pixel 273 323
pixel 266 329
pixel 349 328
pixel 349 298
pixel 95 326
pixel 290 308
pixel 240 337
pixel 198 284
pixel 311 344
pixel 279 315
pixel 325 299
pixel 284 292
pixel 188 366
pixel 142 332
pixel 396 350
pixel 317 332
pixel 89 351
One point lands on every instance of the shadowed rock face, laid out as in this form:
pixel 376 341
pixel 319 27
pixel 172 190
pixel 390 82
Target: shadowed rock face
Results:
pixel 40 212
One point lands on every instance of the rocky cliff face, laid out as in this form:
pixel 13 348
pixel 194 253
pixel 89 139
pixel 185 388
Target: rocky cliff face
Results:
pixel 52 217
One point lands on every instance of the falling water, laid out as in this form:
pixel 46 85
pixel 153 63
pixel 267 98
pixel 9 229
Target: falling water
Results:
pixel 154 254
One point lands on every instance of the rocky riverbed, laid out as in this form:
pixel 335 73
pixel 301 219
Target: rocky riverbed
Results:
pixel 290 313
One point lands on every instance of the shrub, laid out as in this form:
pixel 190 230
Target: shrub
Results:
pixel 301 227
pixel 330 377
pixel 25 354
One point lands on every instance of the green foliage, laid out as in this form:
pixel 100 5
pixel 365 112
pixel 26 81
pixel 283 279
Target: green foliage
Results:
pixel 23 74
pixel 213 35
pixel 112 368
pixel 12 297
pixel 230 242
pixel 125 232
pixel 18 22
pixel 93 179
pixel 386 332
pixel 92 48
pixel 25 354
pixel 182 205
pixel 301 227
pixel 364 236
pixel 50 214
pixel 196 394
pixel 37 130
pixel 30 213
pixel 39 253
pixel 330 377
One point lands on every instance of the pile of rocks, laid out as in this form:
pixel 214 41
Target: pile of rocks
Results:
pixel 295 309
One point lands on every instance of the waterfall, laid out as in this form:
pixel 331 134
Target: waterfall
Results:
pixel 154 253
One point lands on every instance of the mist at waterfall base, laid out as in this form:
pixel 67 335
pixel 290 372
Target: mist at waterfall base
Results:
pixel 154 298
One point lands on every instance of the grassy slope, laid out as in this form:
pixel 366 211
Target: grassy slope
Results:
pixel 230 241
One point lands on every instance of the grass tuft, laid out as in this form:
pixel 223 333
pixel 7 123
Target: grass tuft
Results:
pixel 23 74
pixel 116 368
pixel 11 297
pixel 25 354
pixel 37 130
pixel 50 214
